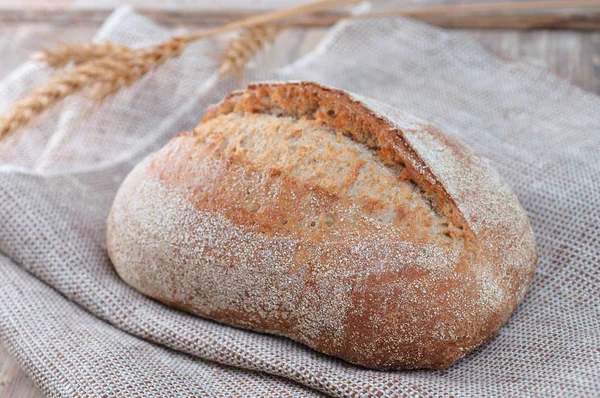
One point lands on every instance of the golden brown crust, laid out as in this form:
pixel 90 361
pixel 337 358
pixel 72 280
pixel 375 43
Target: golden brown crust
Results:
pixel 379 295
pixel 348 115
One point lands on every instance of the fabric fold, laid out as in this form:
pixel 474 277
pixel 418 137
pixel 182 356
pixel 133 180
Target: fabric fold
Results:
pixel 77 329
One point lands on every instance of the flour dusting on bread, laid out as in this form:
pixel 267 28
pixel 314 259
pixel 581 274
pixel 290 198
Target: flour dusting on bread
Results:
pixel 317 156
pixel 300 210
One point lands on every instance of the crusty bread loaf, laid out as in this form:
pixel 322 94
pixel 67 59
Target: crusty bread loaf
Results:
pixel 337 221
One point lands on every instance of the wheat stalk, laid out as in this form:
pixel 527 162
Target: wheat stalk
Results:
pixel 102 77
pixel 104 68
pixel 244 48
pixel 125 73
pixel 31 106
pixel 81 53
pixel 272 17
pixel 96 70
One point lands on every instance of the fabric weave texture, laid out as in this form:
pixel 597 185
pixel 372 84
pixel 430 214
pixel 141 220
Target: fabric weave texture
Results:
pixel 78 330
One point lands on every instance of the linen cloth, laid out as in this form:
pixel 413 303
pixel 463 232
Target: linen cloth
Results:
pixel 78 330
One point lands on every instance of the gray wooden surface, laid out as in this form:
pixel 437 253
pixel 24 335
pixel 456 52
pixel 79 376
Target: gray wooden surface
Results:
pixel 13 381
pixel 575 56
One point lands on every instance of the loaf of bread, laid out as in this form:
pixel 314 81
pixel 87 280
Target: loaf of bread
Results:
pixel 334 220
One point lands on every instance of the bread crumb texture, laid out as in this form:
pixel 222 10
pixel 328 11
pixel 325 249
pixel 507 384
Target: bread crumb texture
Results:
pixel 302 211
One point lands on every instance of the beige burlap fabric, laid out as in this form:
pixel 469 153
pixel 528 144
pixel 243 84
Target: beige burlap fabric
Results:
pixel 78 330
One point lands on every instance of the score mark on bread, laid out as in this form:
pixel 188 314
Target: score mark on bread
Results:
pixel 337 221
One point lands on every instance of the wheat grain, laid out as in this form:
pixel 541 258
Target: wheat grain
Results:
pixel 126 73
pixel 271 17
pixel 104 68
pixel 103 77
pixel 37 102
pixel 80 53
pixel 244 48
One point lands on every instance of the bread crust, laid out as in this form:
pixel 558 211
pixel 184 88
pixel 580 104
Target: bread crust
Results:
pixel 377 296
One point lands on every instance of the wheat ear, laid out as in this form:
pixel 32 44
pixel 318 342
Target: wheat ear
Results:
pixel 35 103
pixel 242 49
pixel 80 53
pixel 125 73
pixel 103 77
pixel 105 74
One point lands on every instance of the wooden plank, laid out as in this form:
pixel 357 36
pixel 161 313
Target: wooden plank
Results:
pixel 13 381
pixel 573 56
pixel 205 13
pixel 96 11
pixel 197 5
pixel 576 20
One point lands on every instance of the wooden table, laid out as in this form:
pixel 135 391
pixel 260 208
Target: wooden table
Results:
pixel 25 24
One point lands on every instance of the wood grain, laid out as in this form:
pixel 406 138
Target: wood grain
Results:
pixel 575 56
pixel 576 18
pixel 573 21
pixel 13 381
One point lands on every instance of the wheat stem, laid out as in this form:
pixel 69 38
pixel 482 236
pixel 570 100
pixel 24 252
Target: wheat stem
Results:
pixel 80 53
pixel 32 105
pixel 244 48
pixel 104 68
pixel 103 77
pixel 270 17
pixel 126 73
